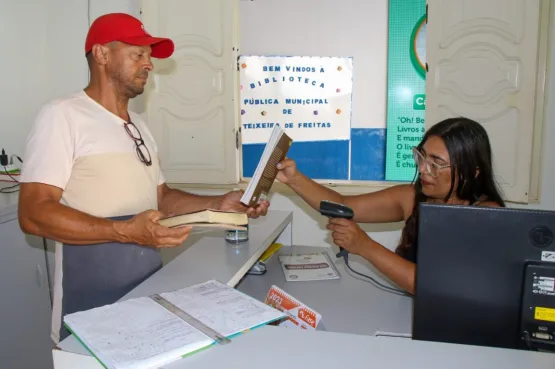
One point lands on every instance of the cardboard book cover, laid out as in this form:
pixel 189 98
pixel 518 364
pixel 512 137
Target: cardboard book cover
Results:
pixel 266 172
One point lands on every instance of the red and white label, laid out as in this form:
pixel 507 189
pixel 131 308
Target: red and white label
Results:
pixel 298 314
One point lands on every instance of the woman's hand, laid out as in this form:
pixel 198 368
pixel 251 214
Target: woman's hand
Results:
pixel 231 201
pixel 351 237
pixel 347 234
pixel 287 171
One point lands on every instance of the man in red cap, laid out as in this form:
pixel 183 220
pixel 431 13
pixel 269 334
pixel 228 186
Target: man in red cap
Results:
pixel 118 51
pixel 91 180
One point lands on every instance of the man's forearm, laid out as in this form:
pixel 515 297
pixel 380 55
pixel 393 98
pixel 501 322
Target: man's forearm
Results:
pixel 58 222
pixel 179 202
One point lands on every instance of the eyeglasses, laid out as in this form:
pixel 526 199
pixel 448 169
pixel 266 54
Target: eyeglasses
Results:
pixel 432 167
pixel 142 150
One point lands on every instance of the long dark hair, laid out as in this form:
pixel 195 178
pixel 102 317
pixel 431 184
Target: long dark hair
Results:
pixel 469 149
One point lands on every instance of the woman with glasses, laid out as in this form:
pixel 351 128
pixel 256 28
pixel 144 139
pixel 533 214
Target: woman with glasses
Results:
pixel 454 166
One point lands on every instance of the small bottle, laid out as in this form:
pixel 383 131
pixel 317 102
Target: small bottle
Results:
pixel 235 236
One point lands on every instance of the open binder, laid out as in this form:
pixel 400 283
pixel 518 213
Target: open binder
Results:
pixel 143 333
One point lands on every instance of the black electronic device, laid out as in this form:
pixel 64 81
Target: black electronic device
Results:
pixel 332 209
pixel 485 276
pixel 335 210
pixel 4 160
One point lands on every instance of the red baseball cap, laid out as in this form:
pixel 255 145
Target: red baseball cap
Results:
pixel 128 29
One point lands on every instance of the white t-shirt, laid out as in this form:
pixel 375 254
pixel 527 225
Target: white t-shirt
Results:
pixel 79 146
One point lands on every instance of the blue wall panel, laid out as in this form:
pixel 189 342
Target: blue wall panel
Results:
pixel 330 159
pixel 318 160
pixel 368 154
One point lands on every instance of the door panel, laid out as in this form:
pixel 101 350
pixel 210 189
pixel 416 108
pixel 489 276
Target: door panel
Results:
pixel 482 64
pixel 191 100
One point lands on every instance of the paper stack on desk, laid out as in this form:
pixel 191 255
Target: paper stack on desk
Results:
pixel 308 267
pixel 142 334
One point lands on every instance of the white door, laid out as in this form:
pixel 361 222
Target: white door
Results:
pixel 482 64
pixel 191 99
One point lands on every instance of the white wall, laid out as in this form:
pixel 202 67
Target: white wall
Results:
pixel 343 28
pixel 40 66
pixel 36 49
pixel 548 160
pixel 43 57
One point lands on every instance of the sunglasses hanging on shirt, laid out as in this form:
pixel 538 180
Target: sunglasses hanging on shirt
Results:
pixel 140 147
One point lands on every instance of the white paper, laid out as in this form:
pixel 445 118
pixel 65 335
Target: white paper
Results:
pixel 136 333
pixel 224 309
pixel 308 267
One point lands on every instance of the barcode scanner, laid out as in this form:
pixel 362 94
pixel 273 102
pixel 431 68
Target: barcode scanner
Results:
pixel 332 209
pixel 335 210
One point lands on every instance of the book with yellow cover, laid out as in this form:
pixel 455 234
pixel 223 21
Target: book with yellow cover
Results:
pixel 209 218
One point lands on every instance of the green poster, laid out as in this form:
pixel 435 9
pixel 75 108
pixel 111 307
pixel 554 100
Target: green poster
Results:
pixel 406 86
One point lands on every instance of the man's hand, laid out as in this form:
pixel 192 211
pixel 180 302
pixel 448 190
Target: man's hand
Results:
pixel 347 234
pixel 231 201
pixel 143 229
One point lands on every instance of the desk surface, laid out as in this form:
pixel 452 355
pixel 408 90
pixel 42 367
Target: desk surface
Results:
pixel 350 304
pixel 277 348
pixel 208 258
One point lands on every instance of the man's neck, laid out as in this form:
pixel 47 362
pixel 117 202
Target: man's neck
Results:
pixel 110 98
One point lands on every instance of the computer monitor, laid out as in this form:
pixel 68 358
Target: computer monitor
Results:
pixel 485 276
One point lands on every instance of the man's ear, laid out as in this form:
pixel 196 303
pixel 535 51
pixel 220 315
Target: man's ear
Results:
pixel 100 54
pixel 477 172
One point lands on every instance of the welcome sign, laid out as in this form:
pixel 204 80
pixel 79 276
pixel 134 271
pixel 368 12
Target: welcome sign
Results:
pixel 309 97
